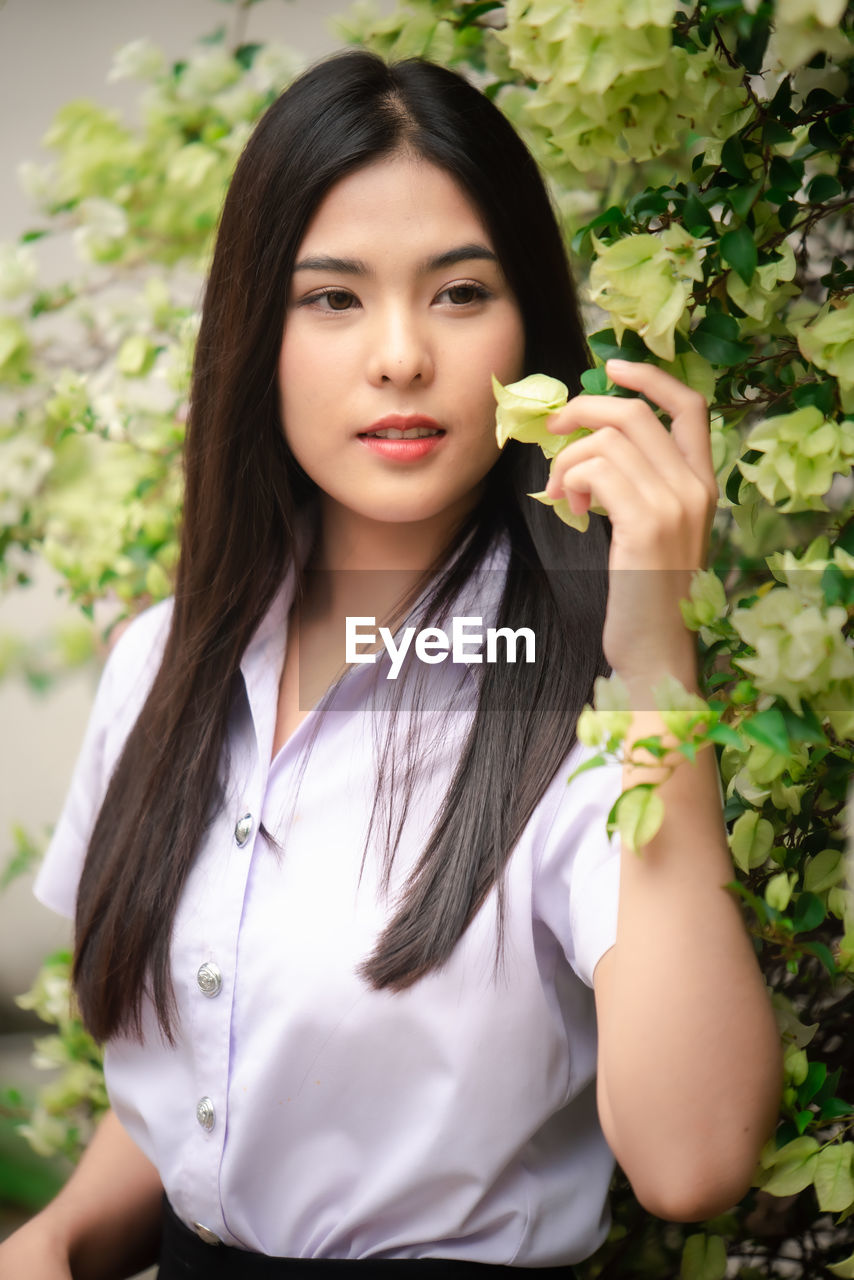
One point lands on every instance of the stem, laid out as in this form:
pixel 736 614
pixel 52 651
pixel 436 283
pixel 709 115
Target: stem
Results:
pixel 239 23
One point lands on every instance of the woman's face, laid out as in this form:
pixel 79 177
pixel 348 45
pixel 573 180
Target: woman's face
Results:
pixel 398 315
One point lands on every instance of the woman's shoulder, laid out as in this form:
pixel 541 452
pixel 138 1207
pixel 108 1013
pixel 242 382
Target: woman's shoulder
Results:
pixel 135 653
pixel 141 638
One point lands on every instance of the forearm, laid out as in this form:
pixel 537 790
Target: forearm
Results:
pixel 106 1219
pixel 689 1056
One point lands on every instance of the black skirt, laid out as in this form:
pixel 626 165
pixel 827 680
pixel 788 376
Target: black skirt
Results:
pixel 185 1256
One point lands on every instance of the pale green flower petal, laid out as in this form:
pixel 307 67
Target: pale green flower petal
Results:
pixel 523 408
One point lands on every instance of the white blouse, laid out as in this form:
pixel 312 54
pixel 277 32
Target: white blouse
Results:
pixel 301 1112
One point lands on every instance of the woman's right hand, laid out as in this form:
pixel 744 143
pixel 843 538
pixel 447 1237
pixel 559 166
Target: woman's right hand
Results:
pixel 103 1225
pixel 33 1251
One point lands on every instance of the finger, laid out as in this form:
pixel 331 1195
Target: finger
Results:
pixel 652 454
pixel 609 442
pixel 664 535
pixel 686 407
pixel 634 422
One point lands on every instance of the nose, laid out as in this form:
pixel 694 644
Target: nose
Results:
pixel 400 352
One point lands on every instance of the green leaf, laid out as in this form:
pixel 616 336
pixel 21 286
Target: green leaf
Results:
pixel 751 840
pixel 819 100
pixel 653 745
pixel 716 338
pixel 837 585
pixel 786 175
pixel 815 1078
pixel 775 134
pixel 592 763
pixel 24 857
pixel 803 1119
pixel 703 1258
pixel 769 728
pixel 732 159
pixel 245 54
pixel 794 1172
pixel 845 540
pixel 738 248
pixel 735 477
pixel 725 735
pixel 824 871
pixel 611 220
pixel 842 123
pixel 782 100
pixel 788 212
pixel 639 814
pixel 843 1269
pixel 595 381
pixel 696 217
pixel 834 1109
pixel 823 187
pixel 646 204
pixel 758 906
pixel 741 198
pixel 821 137
pixel 472 12
pixel 604 344
pixel 823 953
pixel 29 236
pixel 820 394
pixel 805 727
pixel 834 1180
pixel 808 913
pixel 750 48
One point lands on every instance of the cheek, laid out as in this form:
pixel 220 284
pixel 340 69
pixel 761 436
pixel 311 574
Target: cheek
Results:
pixel 501 354
pixel 304 376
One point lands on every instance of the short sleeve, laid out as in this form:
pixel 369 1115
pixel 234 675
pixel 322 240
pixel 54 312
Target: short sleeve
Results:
pixel 122 689
pixel 577 876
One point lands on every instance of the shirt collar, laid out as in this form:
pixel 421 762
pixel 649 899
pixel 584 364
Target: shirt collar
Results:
pixel 263 659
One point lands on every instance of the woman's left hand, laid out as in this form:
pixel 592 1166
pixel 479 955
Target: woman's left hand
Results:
pixel 660 493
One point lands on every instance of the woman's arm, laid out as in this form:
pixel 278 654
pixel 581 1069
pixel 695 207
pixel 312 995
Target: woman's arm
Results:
pixel 689 1059
pixel 690 1067
pixel 103 1225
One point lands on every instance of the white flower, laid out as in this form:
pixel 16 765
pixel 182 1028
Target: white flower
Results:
pixel 18 270
pixel 139 60
pixel 102 222
pixel 275 66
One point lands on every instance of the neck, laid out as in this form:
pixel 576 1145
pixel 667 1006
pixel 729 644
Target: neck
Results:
pixel 350 541
pixel 364 567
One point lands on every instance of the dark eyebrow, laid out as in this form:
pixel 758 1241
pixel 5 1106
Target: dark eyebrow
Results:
pixel 355 267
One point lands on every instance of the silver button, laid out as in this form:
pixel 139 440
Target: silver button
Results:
pixel 209 979
pixel 243 830
pixel 205 1113
pixel 205 1233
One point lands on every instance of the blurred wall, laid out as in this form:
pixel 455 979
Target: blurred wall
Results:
pixel 52 51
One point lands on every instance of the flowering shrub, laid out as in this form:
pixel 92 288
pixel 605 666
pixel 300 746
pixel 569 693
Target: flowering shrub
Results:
pixel 702 160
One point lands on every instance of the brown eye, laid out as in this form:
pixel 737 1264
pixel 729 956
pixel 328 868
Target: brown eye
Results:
pixel 338 299
pixel 462 295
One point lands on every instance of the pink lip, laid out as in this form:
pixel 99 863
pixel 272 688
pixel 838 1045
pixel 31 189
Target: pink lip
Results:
pixel 404 422
pixel 403 450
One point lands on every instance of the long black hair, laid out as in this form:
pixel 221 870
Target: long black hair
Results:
pixel 243 497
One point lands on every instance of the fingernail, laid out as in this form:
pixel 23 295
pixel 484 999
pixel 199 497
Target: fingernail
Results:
pixel 614 363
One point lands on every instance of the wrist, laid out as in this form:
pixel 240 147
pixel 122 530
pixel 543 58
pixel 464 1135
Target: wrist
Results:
pixel 641 682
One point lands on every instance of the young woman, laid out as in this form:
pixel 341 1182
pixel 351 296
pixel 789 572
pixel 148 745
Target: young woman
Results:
pixel 341 933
